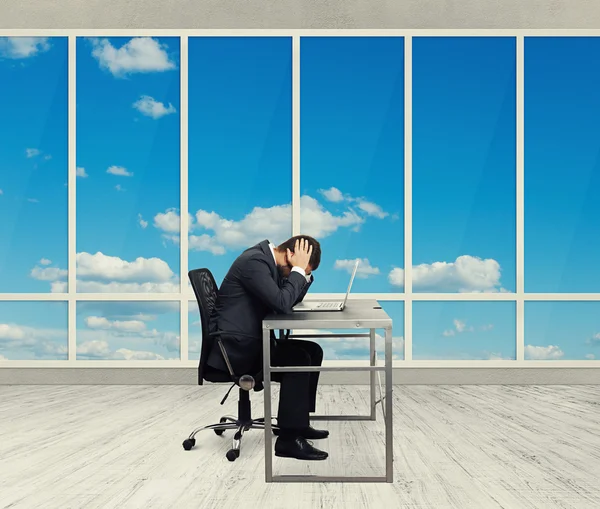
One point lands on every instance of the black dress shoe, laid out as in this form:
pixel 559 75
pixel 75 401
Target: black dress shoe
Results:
pixel 298 448
pixel 311 433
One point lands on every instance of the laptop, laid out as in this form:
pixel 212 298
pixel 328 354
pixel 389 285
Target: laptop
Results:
pixel 328 305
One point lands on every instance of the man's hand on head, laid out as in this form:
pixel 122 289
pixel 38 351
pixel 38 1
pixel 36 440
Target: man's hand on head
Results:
pixel 300 257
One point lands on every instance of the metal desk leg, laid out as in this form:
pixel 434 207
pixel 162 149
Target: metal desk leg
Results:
pixel 267 389
pixel 373 356
pixel 389 444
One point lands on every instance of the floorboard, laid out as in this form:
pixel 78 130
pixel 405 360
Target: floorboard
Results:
pixel 462 447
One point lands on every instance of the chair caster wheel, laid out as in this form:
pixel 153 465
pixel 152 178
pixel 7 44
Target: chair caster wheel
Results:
pixel 233 454
pixel 188 443
pixel 219 432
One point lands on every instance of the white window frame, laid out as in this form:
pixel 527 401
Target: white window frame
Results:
pixel 408 297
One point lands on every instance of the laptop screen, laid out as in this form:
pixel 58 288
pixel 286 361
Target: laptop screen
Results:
pixel 351 280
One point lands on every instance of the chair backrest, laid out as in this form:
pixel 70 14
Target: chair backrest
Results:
pixel 206 291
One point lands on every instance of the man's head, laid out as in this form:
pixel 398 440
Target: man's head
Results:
pixel 315 257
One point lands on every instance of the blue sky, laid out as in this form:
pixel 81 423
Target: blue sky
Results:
pixel 466 330
pixel 128 330
pixel 562 330
pixel 240 146
pixel 562 166
pixel 464 164
pixel 352 182
pixel 128 145
pixel 33 161
pixel 352 157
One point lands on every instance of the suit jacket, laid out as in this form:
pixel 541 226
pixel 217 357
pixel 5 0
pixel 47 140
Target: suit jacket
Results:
pixel 252 289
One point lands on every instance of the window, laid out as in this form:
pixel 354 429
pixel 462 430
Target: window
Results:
pixel 352 159
pixel 240 146
pixel 128 152
pixel 33 164
pixel 464 330
pixel 33 331
pixel 562 172
pixel 128 330
pixel 464 164
pixel 562 331
pixel 357 348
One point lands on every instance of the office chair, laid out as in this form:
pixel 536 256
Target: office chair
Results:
pixel 205 289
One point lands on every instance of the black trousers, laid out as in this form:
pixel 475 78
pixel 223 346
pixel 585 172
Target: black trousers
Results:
pixel 298 391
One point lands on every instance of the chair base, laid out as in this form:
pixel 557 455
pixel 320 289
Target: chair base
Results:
pixel 229 422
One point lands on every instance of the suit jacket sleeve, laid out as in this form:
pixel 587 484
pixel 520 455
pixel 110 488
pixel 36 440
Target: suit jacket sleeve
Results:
pixel 257 279
pixel 304 290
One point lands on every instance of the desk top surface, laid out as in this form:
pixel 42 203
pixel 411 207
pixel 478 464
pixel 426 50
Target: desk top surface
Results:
pixel 357 314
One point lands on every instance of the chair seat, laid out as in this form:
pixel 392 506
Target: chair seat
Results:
pixel 216 375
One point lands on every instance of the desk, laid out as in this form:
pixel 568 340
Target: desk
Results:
pixel 358 314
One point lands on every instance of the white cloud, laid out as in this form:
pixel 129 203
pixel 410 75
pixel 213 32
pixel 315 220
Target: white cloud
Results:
pixel 320 223
pixel 33 200
pixel 104 267
pixel 332 194
pixel 543 352
pixel 461 326
pixel 100 273
pixel 43 343
pixel 353 348
pixel 11 332
pixel 93 349
pixel 119 188
pixel 590 356
pixel 100 349
pixel 48 273
pixel 80 172
pixel 143 223
pixel 136 355
pixel 1 192
pixel 364 268
pixel 168 221
pixel 138 55
pixel 23 47
pixel 150 107
pixel 32 152
pixel 120 171
pixel 217 234
pixel 45 261
pixel 372 209
pixel 596 337
pixel 100 322
pixel 466 274
pixel 272 223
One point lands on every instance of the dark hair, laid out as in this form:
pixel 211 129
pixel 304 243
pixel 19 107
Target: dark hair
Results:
pixel 315 256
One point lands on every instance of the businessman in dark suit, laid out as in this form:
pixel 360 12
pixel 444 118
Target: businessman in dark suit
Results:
pixel 268 279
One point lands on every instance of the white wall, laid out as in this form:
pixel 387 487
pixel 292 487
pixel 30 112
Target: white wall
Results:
pixel 290 14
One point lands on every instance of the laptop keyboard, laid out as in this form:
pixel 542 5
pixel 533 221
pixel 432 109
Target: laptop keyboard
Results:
pixel 328 305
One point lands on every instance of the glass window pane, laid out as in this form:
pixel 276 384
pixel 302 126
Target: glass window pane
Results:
pixel 240 146
pixel 33 331
pixel 464 330
pixel 464 164
pixel 562 168
pixel 128 148
pixel 562 331
pixel 194 331
pixel 33 164
pixel 357 349
pixel 352 159
pixel 128 330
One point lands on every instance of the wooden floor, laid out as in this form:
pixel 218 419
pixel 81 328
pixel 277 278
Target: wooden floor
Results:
pixel 478 447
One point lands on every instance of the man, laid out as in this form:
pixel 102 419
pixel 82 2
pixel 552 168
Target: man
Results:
pixel 267 279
